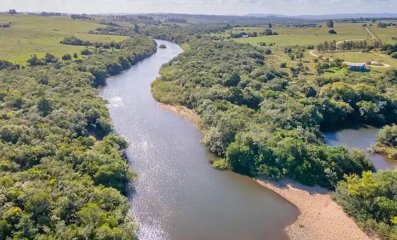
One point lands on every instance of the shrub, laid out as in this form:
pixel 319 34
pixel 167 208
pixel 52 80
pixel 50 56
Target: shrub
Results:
pixel 67 57
pixel 86 52
pixel 332 31
pixel 35 61
pixel 221 165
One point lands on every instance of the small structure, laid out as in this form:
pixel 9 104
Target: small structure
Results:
pixel 357 67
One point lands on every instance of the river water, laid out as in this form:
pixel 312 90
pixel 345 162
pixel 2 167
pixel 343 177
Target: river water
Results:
pixel 177 194
pixel 361 138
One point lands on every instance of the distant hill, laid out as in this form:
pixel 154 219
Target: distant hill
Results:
pixel 332 16
pixel 266 15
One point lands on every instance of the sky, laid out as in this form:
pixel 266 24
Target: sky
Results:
pixel 218 7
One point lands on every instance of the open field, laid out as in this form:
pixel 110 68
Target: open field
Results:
pixel 303 36
pixel 359 57
pixel 40 35
pixel 385 34
pixel 306 36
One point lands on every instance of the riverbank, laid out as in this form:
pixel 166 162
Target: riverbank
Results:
pixel 187 196
pixel 183 112
pixel 320 217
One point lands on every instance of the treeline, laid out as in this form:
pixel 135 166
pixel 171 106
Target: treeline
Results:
pixel 115 30
pixel 326 46
pixel 50 14
pixel 62 168
pixel 5 25
pixel 266 32
pixel 73 40
pixel 81 17
pixel 8 65
pixel 371 200
pixel 385 25
pixel 390 49
pixel 179 33
pixel 359 45
pixel 262 123
pixel 176 20
pixel 349 45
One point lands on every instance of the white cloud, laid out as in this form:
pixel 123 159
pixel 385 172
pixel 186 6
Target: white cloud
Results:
pixel 289 7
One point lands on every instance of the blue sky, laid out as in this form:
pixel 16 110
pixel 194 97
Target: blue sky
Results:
pixel 235 7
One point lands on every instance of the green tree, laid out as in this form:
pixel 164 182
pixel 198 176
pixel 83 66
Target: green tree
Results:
pixel 44 106
pixel 35 61
pixel 330 23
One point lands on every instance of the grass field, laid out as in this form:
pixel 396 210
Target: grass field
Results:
pixel 385 34
pixel 40 35
pixel 303 36
pixel 363 57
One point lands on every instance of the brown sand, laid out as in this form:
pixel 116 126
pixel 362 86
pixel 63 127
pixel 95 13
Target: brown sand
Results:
pixel 182 111
pixel 320 217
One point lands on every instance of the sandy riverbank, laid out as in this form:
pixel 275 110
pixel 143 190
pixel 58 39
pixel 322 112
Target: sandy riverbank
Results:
pixel 320 217
pixel 182 111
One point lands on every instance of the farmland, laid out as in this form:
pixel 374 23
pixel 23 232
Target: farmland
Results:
pixel 38 35
pixel 304 36
pixel 301 39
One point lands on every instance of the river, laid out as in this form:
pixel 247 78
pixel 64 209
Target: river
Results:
pixel 177 194
pixel 361 138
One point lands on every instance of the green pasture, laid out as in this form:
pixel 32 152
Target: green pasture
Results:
pixel 40 35
pixel 304 36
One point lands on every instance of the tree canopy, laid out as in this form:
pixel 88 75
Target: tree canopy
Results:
pixel 62 170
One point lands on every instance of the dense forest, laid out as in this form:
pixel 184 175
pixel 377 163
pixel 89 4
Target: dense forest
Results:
pixel 265 124
pixel 63 174
pixel 372 201
pixel 262 121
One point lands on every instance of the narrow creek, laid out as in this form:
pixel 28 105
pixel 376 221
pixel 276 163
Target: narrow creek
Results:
pixel 177 194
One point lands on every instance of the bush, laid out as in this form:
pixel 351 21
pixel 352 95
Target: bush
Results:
pixel 67 57
pixel 371 200
pixel 49 58
pixel 73 40
pixel 35 61
pixel 86 52
pixel 332 31
pixel 8 65
pixel 221 165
